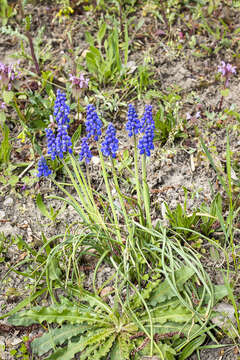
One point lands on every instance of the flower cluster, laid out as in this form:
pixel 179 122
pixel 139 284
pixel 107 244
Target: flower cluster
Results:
pixel 147 127
pixel 93 123
pixel 85 151
pixel 60 143
pixel 78 84
pixel 226 70
pixel 43 169
pixel 110 144
pixel 7 75
pixel 61 109
pixel 133 125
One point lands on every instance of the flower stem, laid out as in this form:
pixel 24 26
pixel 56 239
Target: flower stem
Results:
pixel 110 198
pixel 146 197
pixel 138 185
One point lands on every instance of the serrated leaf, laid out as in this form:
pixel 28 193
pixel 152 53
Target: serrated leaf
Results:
pixel 83 343
pixel 121 349
pixel 164 291
pixel 104 348
pixel 56 313
pixel 8 96
pixel 57 336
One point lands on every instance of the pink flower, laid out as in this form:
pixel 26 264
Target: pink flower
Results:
pixel 226 70
pixel 78 84
pixel 7 75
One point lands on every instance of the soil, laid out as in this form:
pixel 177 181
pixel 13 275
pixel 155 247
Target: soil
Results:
pixel 176 66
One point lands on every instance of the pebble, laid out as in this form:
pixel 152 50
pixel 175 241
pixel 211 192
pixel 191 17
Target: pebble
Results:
pixel 7 230
pixel 2 214
pixel 8 202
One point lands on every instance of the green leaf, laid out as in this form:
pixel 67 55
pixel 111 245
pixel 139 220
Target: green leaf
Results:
pixel 2 117
pixel 57 313
pixel 54 270
pixel 8 96
pixel 104 348
pixel 56 336
pixel 101 32
pixel 164 290
pixel 42 207
pixel 23 304
pixel 225 92
pixel 191 347
pixel 179 314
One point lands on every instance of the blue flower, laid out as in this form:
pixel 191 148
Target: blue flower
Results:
pixel 51 143
pixel 43 169
pixel 145 144
pixel 110 144
pixel 61 109
pixel 133 125
pixel 59 143
pixel 93 123
pixel 85 151
pixel 63 141
pixel 147 119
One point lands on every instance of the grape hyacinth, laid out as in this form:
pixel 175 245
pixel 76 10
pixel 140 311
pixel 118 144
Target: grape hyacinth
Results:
pixel 61 109
pixel 51 144
pixel 110 144
pixel 78 84
pixel 60 143
pixel 145 144
pixel 43 169
pixel 85 151
pixel 133 125
pixel 63 141
pixel 7 75
pixel 93 123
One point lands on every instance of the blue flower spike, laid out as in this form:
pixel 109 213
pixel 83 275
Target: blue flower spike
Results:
pixel 93 123
pixel 133 125
pixel 61 109
pixel 145 144
pixel 60 143
pixel 43 169
pixel 85 152
pixel 110 144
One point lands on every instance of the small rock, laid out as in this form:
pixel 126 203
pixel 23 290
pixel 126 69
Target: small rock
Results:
pixel 8 202
pixel 106 291
pixel 7 230
pixel 16 341
pixel 226 318
pixel 2 214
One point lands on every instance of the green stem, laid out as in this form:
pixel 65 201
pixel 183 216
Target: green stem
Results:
pixel 105 177
pixel 138 185
pixel 146 196
pixel 120 197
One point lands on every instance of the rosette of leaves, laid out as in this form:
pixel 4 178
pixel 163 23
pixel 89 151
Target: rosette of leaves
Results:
pixel 159 320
